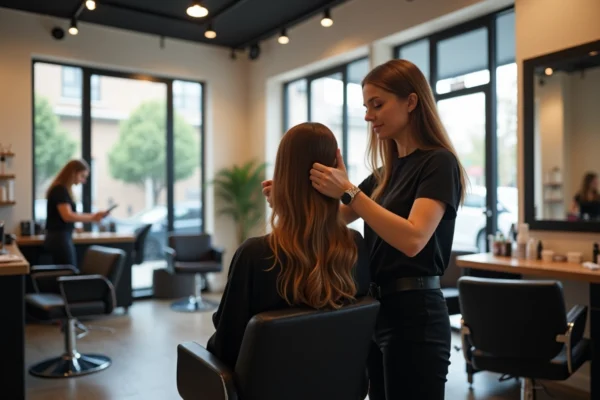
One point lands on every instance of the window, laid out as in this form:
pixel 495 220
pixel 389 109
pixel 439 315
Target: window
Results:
pixel 469 84
pixel 152 169
pixel 334 98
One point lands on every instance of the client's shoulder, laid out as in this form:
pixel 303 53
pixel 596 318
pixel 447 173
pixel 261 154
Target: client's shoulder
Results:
pixel 254 247
pixel 358 237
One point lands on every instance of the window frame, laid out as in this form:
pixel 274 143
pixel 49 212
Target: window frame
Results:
pixel 337 69
pixel 489 89
pixel 86 133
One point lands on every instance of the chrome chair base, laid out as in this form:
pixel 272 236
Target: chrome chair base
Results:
pixel 67 366
pixel 194 304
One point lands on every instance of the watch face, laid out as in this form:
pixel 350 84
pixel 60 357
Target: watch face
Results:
pixel 346 198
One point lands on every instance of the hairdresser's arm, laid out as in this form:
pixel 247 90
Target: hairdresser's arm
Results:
pixel 68 215
pixel 409 235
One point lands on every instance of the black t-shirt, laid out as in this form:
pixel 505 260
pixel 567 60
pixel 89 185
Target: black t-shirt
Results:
pixel 430 174
pixel 54 222
pixel 251 290
pixel 591 208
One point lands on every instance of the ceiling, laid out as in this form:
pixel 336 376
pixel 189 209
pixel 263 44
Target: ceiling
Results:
pixel 238 23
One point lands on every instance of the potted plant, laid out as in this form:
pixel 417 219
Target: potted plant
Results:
pixel 239 195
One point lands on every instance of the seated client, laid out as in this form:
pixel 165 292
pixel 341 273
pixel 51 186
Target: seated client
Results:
pixel 310 259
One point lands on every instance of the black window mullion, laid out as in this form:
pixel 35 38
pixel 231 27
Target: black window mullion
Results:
pixel 86 139
pixel 345 121
pixel 491 141
pixel 308 99
pixel 170 158
pixel 203 160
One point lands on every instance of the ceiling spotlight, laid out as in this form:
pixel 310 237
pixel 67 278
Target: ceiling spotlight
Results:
pixel 90 5
pixel 73 29
pixel 210 32
pixel 254 52
pixel 593 53
pixel 196 10
pixel 283 38
pixel 548 71
pixel 326 21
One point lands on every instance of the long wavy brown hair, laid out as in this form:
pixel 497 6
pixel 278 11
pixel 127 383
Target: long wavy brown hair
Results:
pixel 401 77
pixel 312 245
pixel 586 192
pixel 66 176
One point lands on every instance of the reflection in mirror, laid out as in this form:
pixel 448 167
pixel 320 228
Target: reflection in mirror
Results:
pixel 567 139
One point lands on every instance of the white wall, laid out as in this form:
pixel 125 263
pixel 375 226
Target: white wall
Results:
pixel 28 35
pixel 545 26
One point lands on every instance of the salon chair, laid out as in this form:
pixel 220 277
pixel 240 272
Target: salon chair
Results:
pixel 90 293
pixel 292 354
pixel 520 328
pixel 193 255
pixel 449 281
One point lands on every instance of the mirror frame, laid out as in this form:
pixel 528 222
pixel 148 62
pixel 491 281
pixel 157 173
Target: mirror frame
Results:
pixel 529 66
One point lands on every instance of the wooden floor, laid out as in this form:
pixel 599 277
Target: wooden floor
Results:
pixel 143 351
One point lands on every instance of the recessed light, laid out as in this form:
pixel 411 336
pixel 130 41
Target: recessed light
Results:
pixel 91 5
pixel 548 71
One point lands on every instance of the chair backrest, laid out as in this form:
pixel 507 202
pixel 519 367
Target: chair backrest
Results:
pixel 453 272
pixel 190 247
pixel 105 261
pixel 299 354
pixel 513 318
pixel 141 234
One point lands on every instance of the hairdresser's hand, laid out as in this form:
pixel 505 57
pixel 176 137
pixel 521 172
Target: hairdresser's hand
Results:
pixel 99 216
pixel 267 186
pixel 331 181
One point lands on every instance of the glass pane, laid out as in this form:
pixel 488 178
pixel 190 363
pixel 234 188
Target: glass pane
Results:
pixel 188 158
pixel 462 61
pixel 327 102
pixel 464 118
pixel 508 200
pixel 505 38
pixel 128 141
pixel 297 103
pixel 418 54
pixel 57 130
pixel 358 134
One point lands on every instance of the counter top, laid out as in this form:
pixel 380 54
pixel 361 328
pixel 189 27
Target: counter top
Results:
pixel 82 238
pixel 557 270
pixel 14 267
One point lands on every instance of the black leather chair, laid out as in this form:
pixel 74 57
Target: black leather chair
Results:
pixel 139 245
pixel 194 255
pixel 87 294
pixel 521 328
pixel 293 354
pixel 449 281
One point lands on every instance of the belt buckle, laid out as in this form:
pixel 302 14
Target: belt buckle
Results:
pixel 420 282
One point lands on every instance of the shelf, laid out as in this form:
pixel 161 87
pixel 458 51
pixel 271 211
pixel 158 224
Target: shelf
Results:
pixel 7 203
pixel 7 155
pixel 7 177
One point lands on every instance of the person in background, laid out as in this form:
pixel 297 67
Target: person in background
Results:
pixel 310 258
pixel 61 212
pixel 409 207
pixel 586 203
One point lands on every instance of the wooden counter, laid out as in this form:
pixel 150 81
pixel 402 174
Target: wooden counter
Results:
pixel 82 238
pixel 14 267
pixel 554 270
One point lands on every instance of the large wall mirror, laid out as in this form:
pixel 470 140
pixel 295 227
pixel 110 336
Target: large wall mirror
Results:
pixel 562 139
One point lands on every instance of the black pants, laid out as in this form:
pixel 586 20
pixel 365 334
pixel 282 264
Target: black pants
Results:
pixel 60 245
pixel 410 353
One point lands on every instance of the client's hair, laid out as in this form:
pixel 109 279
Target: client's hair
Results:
pixel 311 243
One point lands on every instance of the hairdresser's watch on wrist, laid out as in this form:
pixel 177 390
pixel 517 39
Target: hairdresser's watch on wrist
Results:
pixel 349 195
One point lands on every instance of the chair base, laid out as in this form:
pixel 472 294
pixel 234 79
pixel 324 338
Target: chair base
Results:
pixel 194 304
pixel 67 366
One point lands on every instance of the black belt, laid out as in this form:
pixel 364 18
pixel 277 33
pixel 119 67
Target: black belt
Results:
pixel 405 284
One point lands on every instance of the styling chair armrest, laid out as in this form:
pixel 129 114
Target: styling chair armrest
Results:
pixel 576 318
pixel 201 375
pixel 84 288
pixel 45 276
pixel 170 258
pixel 216 254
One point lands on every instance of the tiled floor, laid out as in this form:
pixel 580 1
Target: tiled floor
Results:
pixel 143 351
